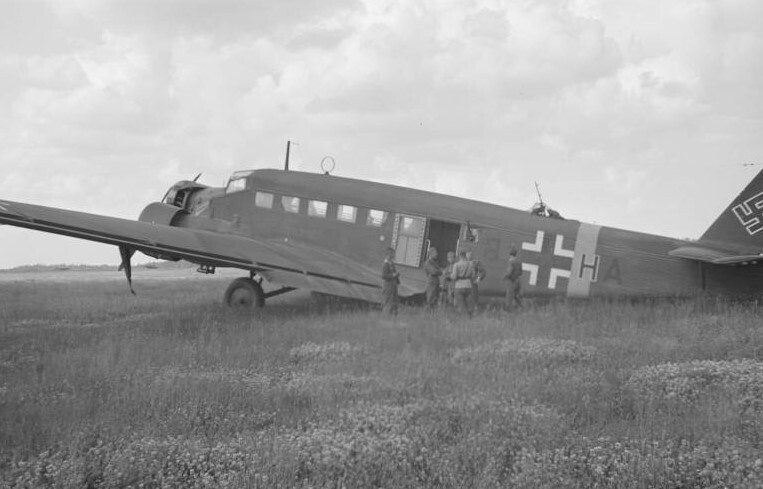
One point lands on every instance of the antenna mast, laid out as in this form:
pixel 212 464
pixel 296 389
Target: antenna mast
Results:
pixel 286 163
pixel 540 197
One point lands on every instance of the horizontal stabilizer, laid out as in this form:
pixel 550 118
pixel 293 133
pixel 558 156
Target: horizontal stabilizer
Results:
pixel 715 256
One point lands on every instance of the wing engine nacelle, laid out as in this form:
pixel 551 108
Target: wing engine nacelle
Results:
pixel 165 215
pixel 160 213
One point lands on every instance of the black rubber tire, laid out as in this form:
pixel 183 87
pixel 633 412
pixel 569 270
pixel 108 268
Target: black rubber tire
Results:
pixel 244 293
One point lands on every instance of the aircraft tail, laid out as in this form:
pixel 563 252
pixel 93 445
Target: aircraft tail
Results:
pixel 742 221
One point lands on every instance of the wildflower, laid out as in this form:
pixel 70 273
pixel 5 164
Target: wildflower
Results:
pixel 312 352
pixel 687 382
pixel 533 349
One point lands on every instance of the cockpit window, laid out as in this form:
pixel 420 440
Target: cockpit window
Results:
pixel 170 198
pixel 236 185
pixel 241 174
pixel 237 181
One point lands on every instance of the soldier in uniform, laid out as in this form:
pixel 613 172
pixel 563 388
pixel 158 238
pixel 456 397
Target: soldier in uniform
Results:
pixel 447 281
pixel 433 272
pixel 513 280
pixel 462 277
pixel 390 280
pixel 478 275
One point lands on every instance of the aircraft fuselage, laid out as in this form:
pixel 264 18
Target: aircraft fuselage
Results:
pixel 359 219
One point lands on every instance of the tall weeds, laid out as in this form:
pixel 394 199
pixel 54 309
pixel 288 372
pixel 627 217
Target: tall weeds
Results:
pixel 169 389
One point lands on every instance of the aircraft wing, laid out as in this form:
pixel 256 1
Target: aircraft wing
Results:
pixel 715 256
pixel 281 261
pixel 324 266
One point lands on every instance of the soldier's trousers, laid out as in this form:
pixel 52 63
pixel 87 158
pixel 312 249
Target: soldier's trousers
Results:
pixel 513 294
pixel 475 296
pixel 389 298
pixel 463 300
pixel 433 294
pixel 446 295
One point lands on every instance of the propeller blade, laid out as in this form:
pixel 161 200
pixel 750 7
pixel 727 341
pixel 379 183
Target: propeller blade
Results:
pixel 126 253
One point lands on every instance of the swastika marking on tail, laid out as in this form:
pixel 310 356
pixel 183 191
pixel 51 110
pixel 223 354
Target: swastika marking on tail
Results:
pixel 745 211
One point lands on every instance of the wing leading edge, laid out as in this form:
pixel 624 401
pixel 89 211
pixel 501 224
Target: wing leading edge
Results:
pixel 284 262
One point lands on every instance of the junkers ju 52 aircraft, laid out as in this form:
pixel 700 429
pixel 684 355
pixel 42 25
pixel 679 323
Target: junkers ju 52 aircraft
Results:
pixel 327 234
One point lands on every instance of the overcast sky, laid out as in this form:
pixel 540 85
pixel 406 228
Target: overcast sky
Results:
pixel 633 114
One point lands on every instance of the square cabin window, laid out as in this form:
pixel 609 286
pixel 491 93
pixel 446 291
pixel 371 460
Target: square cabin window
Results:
pixel 346 213
pixel 376 218
pixel 317 208
pixel 264 200
pixel 290 204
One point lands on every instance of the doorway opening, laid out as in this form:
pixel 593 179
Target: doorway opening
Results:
pixel 443 236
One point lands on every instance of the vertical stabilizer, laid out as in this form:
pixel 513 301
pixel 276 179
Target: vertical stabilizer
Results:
pixel 742 221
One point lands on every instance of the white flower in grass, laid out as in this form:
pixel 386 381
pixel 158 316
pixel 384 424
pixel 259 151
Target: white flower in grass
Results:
pixel 313 352
pixel 532 349
pixel 687 382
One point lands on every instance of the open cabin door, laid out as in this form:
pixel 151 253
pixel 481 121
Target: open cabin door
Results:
pixel 408 238
pixel 413 235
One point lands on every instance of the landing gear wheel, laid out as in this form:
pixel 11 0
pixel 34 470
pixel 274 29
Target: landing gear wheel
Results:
pixel 244 293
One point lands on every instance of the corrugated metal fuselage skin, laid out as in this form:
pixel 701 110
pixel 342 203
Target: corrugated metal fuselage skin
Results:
pixel 560 257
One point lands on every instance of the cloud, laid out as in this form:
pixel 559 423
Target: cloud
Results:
pixel 221 20
pixel 31 27
pixel 107 102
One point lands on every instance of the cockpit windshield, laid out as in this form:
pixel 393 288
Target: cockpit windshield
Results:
pixel 237 181
pixel 169 197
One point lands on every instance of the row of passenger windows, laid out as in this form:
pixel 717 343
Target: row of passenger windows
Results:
pixel 319 208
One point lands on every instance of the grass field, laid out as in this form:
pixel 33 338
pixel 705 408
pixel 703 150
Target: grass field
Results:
pixel 169 389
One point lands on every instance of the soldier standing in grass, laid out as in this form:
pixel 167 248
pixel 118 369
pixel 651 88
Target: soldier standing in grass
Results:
pixel 447 281
pixel 390 280
pixel 433 272
pixel 478 275
pixel 513 280
pixel 462 277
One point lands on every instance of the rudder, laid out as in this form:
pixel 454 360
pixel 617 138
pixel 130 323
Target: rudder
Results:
pixel 741 223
